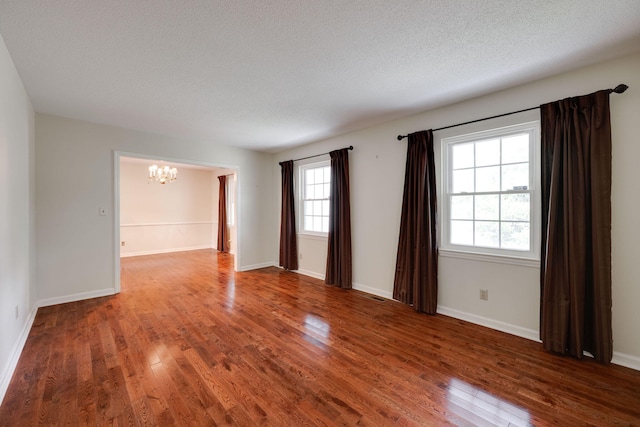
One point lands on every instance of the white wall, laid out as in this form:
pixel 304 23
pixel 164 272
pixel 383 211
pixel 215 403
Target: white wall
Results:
pixel 377 175
pixel 76 248
pixel 16 217
pixel 157 218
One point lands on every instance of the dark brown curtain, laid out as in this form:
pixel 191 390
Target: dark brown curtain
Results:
pixel 288 244
pixel 339 242
pixel 223 230
pixel 416 277
pixel 575 271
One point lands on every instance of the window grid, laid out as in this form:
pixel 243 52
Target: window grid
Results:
pixel 315 200
pixel 501 219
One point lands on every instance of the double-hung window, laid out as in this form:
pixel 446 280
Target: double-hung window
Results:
pixel 315 184
pixel 491 192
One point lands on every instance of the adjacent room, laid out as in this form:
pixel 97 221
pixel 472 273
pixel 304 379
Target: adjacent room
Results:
pixel 319 213
pixel 161 213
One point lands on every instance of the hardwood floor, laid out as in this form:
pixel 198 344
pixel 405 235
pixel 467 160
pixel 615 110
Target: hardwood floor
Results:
pixel 190 342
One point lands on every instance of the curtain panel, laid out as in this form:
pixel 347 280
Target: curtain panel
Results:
pixel 416 276
pixel 288 243
pixel 575 274
pixel 223 229
pixel 339 241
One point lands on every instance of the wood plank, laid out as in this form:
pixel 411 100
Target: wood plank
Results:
pixel 190 342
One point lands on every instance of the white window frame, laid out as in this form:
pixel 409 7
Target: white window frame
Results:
pixel 301 197
pixel 488 130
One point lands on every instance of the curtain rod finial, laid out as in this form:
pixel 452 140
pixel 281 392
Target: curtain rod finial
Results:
pixel 351 147
pixel 401 137
pixel 620 88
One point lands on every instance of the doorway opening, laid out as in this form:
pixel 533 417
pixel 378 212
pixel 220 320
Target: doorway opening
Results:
pixel 151 217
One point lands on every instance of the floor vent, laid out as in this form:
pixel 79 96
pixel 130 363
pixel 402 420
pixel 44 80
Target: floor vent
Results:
pixel 377 298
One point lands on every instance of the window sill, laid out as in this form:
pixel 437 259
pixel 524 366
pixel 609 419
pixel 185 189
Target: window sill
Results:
pixel 311 236
pixel 499 259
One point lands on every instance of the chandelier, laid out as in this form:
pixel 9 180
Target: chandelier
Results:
pixel 162 174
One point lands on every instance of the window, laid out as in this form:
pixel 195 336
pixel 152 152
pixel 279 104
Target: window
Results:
pixel 315 183
pixel 230 198
pixel 490 191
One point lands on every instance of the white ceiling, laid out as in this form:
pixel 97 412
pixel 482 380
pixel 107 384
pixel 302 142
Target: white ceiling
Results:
pixel 271 74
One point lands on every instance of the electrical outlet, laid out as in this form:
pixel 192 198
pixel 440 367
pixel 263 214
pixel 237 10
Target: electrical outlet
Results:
pixel 484 294
pixel 17 311
pixel 300 255
pixel 122 244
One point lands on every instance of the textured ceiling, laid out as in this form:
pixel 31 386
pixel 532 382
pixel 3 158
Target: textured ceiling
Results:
pixel 271 74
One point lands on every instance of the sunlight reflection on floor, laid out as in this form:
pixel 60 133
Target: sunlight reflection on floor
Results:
pixel 482 408
pixel 231 294
pixel 317 329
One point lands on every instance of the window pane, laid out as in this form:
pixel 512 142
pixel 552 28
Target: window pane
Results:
pixel 315 203
pixel 515 177
pixel 515 235
pixel 487 234
pixel 230 213
pixel 308 176
pixel 489 183
pixel 515 149
pixel 488 207
pixel 488 152
pixel 463 181
pixel 325 208
pixel 462 232
pixel 461 207
pixel 515 207
pixel 462 155
pixel 488 179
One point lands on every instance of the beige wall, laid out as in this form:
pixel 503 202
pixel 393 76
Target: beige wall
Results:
pixel 156 218
pixel 377 175
pixel 77 248
pixel 16 217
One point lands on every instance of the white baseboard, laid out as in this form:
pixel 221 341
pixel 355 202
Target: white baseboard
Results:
pixel 310 274
pixel 626 360
pixel 490 323
pixel 354 285
pixel 372 291
pixel 75 297
pixel 165 251
pixel 622 359
pixel 256 266
pixel 14 357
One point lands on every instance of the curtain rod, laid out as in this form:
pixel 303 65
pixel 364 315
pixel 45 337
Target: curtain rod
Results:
pixel 318 155
pixel 618 89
